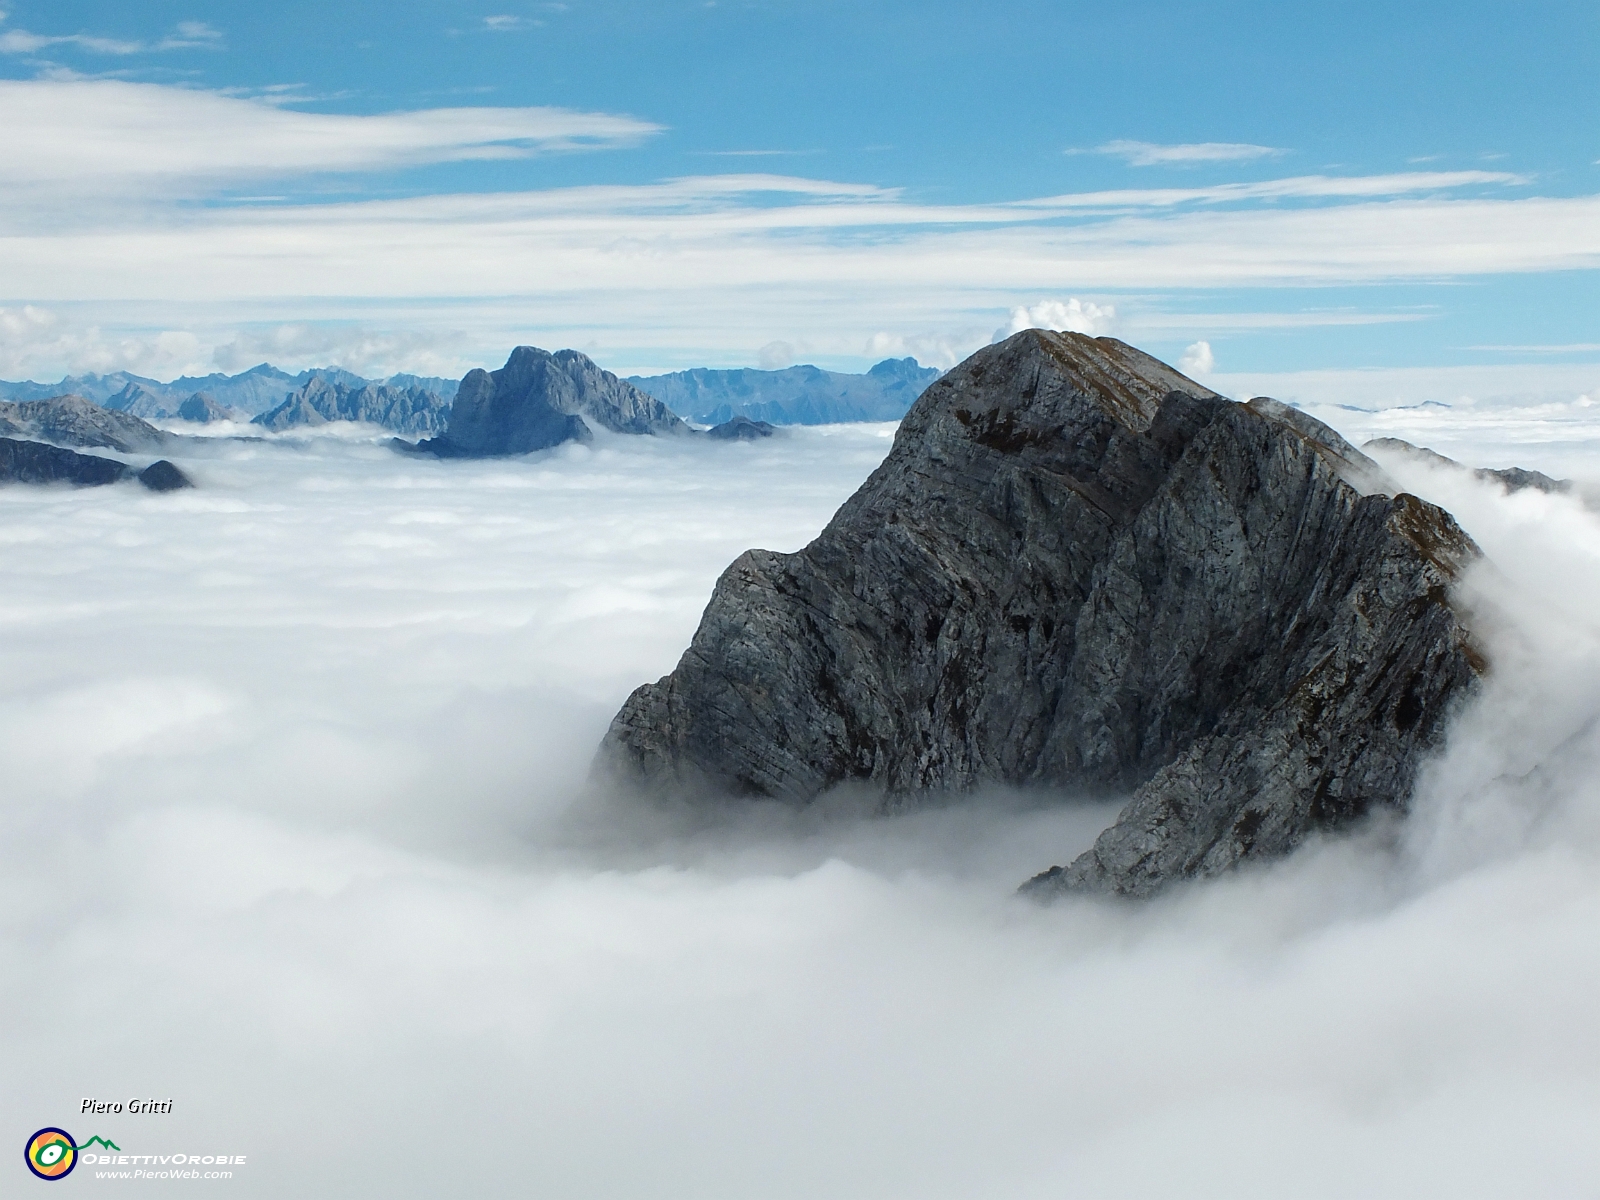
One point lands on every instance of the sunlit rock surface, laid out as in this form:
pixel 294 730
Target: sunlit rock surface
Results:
pixel 1079 569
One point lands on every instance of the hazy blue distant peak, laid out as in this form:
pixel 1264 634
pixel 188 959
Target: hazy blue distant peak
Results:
pixel 905 368
pixel 98 388
pixel 801 395
pixel 262 387
pixel 428 383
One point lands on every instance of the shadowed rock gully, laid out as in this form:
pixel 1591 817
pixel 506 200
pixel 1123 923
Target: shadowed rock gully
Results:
pixel 1078 569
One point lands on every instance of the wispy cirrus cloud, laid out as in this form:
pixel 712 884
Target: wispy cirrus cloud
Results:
pixel 1296 187
pixel 97 209
pixel 123 139
pixel 186 35
pixel 1184 154
pixel 508 23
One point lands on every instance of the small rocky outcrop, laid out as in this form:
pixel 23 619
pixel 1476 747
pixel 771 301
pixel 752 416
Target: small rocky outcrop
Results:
pixel 75 421
pixel 741 429
pixel 321 400
pixel 163 476
pixel 1078 569
pixel 538 400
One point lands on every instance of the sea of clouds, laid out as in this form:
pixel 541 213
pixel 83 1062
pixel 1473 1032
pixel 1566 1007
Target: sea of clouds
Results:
pixel 291 769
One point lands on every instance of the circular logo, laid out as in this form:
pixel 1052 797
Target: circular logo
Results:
pixel 51 1154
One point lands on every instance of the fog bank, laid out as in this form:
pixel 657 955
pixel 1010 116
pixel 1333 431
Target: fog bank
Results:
pixel 288 766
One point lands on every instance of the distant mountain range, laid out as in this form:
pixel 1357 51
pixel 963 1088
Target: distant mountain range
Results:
pixel 250 392
pixel 417 404
pixel 793 396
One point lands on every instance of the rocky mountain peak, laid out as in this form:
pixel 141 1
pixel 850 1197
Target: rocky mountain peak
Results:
pixel 1079 570
pixel 539 399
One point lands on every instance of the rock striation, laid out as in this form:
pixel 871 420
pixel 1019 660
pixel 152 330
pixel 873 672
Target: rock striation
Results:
pixel 803 395
pixel 414 410
pixel 75 421
pixel 538 400
pixel 36 462
pixel 1078 569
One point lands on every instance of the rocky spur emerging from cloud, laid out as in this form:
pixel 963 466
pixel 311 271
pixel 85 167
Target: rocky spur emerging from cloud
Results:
pixel 39 463
pixel 1079 569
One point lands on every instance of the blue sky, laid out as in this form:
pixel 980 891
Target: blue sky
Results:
pixel 1403 198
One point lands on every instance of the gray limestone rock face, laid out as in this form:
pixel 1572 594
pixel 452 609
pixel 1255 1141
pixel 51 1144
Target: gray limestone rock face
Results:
pixel 75 421
pixel 538 400
pixel 35 462
pixel 1078 569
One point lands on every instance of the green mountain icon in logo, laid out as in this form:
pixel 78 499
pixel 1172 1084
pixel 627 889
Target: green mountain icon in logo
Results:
pixel 99 1141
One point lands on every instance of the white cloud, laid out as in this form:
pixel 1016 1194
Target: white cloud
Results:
pixel 186 35
pixel 704 267
pixel 1152 154
pixel 1298 187
pixel 39 343
pixel 366 351
pixel 1197 361
pixel 1072 315
pixel 105 137
pixel 931 349
pixel 294 755
pixel 775 355
pixel 509 24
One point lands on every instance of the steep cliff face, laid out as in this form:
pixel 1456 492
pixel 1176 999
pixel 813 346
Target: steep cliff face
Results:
pixel 1079 569
pixel 538 400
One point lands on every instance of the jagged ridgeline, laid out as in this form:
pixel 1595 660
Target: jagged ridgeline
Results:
pixel 1078 569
